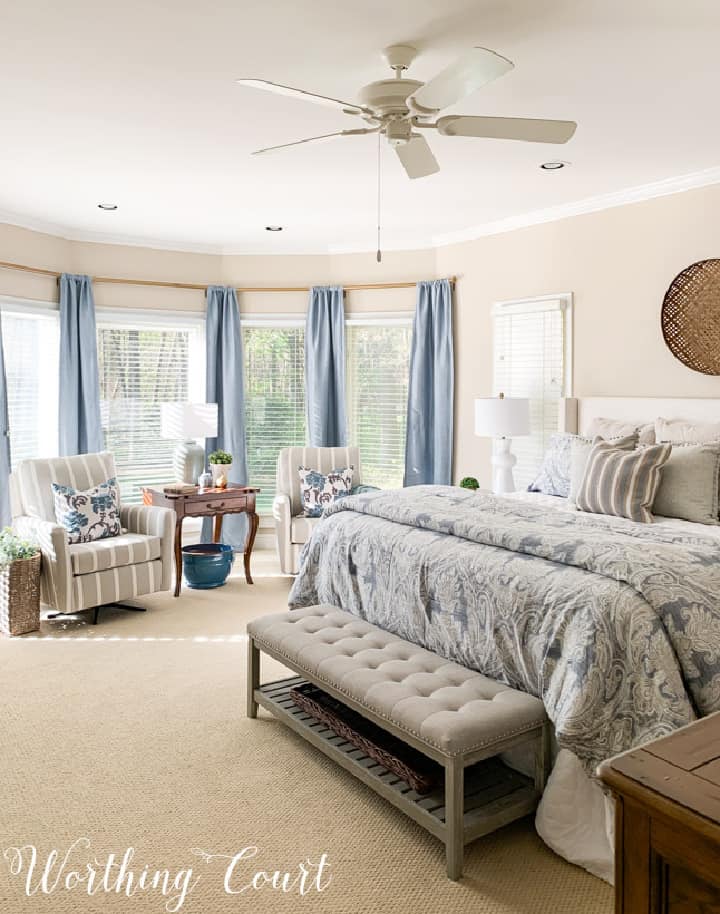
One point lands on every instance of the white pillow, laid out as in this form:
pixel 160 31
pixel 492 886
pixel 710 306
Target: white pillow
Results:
pixel 682 431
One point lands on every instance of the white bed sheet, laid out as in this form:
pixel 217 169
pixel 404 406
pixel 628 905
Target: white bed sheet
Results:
pixel 662 523
pixel 576 817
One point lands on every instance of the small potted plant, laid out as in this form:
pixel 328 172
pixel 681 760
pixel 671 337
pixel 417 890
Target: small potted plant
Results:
pixel 220 463
pixel 19 584
pixel 469 482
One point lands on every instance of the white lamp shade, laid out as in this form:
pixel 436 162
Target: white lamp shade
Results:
pixel 188 420
pixel 502 417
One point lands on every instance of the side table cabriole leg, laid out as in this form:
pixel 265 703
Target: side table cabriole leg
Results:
pixel 253 524
pixel 178 555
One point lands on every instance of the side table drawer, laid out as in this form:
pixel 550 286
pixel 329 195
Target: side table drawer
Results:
pixel 200 505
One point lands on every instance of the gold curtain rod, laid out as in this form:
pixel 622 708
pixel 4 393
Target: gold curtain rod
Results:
pixel 352 287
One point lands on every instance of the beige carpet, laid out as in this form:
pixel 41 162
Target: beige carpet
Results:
pixel 133 734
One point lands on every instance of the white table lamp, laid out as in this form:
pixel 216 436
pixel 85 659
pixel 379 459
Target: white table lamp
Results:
pixel 502 418
pixel 188 421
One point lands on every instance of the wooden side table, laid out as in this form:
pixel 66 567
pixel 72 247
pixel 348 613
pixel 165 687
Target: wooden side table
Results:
pixel 667 823
pixel 208 503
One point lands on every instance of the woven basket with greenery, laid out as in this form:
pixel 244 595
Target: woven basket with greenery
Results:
pixel 19 585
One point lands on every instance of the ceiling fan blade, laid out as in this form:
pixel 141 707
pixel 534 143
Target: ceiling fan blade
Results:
pixel 532 130
pixel 268 86
pixel 470 72
pixel 417 158
pixel 318 139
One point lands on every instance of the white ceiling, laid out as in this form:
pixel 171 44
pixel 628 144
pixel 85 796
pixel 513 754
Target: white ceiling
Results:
pixel 135 103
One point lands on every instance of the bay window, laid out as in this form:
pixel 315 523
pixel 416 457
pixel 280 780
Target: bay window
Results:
pixel 378 361
pixel 144 361
pixel 274 398
pixel 30 345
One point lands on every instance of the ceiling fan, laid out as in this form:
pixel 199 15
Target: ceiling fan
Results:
pixel 398 108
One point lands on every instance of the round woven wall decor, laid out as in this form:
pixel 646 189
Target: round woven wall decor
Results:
pixel 691 317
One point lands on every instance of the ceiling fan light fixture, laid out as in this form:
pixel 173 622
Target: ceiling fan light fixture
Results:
pixel 108 207
pixel 394 108
pixel 273 228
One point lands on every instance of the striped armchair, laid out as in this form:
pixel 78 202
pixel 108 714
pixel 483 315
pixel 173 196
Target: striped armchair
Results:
pixel 292 527
pixel 90 575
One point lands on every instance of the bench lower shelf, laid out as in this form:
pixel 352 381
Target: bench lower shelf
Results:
pixel 494 794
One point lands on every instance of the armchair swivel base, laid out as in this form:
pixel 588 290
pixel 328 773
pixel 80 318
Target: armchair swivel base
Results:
pixel 96 611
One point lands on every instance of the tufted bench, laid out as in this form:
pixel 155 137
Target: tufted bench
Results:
pixel 452 714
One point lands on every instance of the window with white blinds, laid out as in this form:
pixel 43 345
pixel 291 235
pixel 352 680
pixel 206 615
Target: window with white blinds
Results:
pixel 532 358
pixel 274 399
pixel 143 364
pixel 378 358
pixel 30 344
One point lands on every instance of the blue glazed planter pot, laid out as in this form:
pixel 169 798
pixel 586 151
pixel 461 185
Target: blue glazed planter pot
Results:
pixel 207 565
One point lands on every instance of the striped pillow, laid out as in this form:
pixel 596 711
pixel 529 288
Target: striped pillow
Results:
pixel 622 483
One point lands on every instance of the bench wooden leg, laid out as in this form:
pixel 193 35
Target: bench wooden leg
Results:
pixel 454 817
pixel 253 677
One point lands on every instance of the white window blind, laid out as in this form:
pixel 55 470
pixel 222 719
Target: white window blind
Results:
pixel 532 359
pixel 142 365
pixel 30 344
pixel 274 399
pixel 378 357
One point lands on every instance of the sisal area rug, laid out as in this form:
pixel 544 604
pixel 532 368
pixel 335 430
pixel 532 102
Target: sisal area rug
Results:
pixel 124 750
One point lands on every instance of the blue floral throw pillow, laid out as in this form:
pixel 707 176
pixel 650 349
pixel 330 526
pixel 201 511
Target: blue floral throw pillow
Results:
pixel 319 490
pixel 90 515
pixel 554 475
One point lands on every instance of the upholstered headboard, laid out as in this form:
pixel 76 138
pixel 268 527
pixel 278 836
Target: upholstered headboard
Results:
pixel 577 413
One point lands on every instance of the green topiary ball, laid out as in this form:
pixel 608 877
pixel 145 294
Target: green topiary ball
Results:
pixel 469 482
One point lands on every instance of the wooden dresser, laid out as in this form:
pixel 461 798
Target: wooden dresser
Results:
pixel 667 829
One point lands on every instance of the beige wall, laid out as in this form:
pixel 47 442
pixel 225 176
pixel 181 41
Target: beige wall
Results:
pixel 38 250
pixel 618 263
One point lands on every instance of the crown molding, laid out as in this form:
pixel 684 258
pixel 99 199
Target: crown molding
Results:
pixel 66 233
pixel 637 194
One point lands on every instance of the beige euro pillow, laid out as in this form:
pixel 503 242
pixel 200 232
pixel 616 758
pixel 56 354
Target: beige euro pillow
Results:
pixel 689 484
pixel 682 431
pixel 619 428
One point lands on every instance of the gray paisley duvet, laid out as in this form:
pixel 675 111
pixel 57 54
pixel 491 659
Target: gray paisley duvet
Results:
pixel 615 625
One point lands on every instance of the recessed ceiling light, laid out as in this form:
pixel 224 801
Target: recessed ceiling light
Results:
pixel 109 207
pixel 273 228
pixel 553 166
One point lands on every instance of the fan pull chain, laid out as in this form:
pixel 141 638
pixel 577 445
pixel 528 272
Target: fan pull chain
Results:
pixel 379 252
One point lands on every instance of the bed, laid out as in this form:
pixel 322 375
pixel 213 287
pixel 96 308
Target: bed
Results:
pixel 615 625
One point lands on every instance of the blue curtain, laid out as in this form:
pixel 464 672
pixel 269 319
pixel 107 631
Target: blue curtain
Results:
pixel 225 387
pixel 429 443
pixel 4 443
pixel 79 409
pixel 325 367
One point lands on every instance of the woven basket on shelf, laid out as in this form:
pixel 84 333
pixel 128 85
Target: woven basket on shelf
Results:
pixel 421 773
pixel 691 317
pixel 20 596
